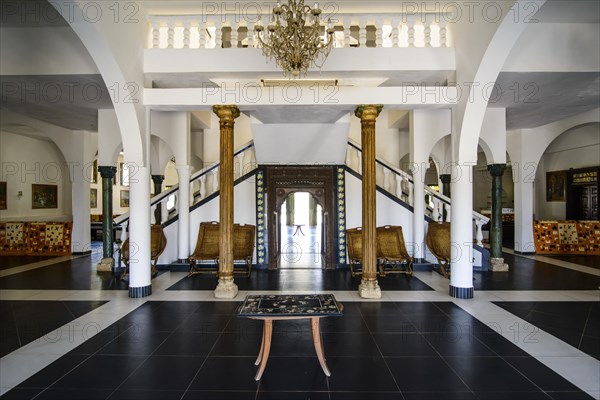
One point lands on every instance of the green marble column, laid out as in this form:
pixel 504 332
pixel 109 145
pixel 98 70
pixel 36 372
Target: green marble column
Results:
pixel 107 173
pixel 312 211
pixel 289 210
pixel 496 260
pixel 158 180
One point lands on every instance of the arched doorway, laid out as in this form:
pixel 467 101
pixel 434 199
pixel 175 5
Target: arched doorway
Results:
pixel 318 183
pixel 301 232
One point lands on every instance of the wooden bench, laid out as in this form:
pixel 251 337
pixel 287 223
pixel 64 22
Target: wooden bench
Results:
pixel 438 242
pixel 207 248
pixel 392 256
pixel 158 243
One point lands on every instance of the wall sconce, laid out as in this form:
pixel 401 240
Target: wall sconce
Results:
pixel 20 194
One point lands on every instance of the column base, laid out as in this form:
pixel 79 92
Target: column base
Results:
pixel 369 289
pixel 461 292
pixel 498 265
pixel 105 265
pixel 139 292
pixel 226 289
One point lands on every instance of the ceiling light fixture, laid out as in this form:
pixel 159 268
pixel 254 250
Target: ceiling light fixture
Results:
pixel 295 37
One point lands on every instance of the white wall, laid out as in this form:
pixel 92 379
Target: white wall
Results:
pixel 576 148
pixel 387 140
pixel 25 161
pixel 242 135
pixel 244 212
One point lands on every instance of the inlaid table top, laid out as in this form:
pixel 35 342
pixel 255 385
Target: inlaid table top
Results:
pixel 304 305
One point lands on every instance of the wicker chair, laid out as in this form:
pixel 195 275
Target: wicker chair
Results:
pixel 391 251
pixel 207 248
pixel 354 240
pixel 438 242
pixel 158 243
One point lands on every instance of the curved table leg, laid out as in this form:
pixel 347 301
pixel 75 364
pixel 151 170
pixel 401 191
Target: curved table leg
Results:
pixel 316 335
pixel 267 333
pixel 262 346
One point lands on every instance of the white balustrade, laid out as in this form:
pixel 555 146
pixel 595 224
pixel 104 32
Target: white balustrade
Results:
pixel 435 214
pixel 478 232
pixel 201 31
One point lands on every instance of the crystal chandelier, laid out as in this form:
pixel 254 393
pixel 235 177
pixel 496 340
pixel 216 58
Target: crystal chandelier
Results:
pixel 294 37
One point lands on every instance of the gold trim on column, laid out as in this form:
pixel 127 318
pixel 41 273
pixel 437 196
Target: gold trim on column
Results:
pixel 368 114
pixel 227 115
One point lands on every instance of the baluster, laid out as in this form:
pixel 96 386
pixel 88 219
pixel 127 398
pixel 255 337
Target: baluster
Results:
pixel 384 176
pixel 202 36
pixel 359 158
pixel 216 178
pixel 448 207
pixel 234 35
pixel 202 182
pixel 218 35
pixel 479 232
pixel 155 35
pixel 191 192
pixel 124 229
pixel 399 186
pixel 362 33
pixel 347 25
pixel 395 34
pixel 378 33
pixel 435 215
pixel 186 34
pixel 164 213
pixel 349 156
pixel 427 33
pixel 411 32
pixel 411 190
pixel 239 165
pixel 170 34
pixel 443 34
pixel 250 41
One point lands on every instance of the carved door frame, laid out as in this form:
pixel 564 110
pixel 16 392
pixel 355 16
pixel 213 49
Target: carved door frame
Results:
pixel 319 181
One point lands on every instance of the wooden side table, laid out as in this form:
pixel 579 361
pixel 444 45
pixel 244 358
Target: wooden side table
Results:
pixel 269 308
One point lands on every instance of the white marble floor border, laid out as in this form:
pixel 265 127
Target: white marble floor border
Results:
pixel 557 262
pixel 572 364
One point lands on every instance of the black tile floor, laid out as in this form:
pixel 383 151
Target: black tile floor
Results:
pixel 300 279
pixel 587 260
pixel 26 321
pixel 528 274
pixel 201 350
pixel 7 262
pixel 576 323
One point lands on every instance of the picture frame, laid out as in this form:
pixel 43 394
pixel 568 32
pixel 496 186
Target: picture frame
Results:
pixel 3 196
pixel 44 196
pixel 93 198
pixel 124 198
pixel 556 183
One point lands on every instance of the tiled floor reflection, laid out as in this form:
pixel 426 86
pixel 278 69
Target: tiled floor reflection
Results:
pixel 201 350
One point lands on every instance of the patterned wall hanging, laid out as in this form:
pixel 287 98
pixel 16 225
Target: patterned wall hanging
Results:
pixel 261 222
pixel 341 216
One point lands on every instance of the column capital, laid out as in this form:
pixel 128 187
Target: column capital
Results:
pixel 226 113
pixel 496 169
pixel 368 112
pixel 158 179
pixel 107 171
pixel 445 178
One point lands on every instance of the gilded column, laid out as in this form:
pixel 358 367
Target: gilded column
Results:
pixel 226 288
pixel 107 173
pixel 369 288
pixel 496 259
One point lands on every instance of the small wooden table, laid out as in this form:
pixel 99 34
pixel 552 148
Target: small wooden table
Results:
pixel 271 308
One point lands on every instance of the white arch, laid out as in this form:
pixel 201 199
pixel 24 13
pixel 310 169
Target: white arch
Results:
pixel 494 57
pixel 112 74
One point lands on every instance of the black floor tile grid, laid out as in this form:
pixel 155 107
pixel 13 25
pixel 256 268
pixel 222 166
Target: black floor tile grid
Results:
pixel 364 363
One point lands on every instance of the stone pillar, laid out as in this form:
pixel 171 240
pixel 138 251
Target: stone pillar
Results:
pixel 418 174
pixel 312 211
pixel 183 210
pixel 461 232
pixel 158 180
pixel 107 173
pixel 445 179
pixel 369 288
pixel 289 211
pixel 226 288
pixel 140 275
pixel 496 259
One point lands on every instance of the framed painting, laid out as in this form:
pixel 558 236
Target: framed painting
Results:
pixel 124 198
pixel 3 202
pixel 556 182
pixel 44 196
pixel 93 198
